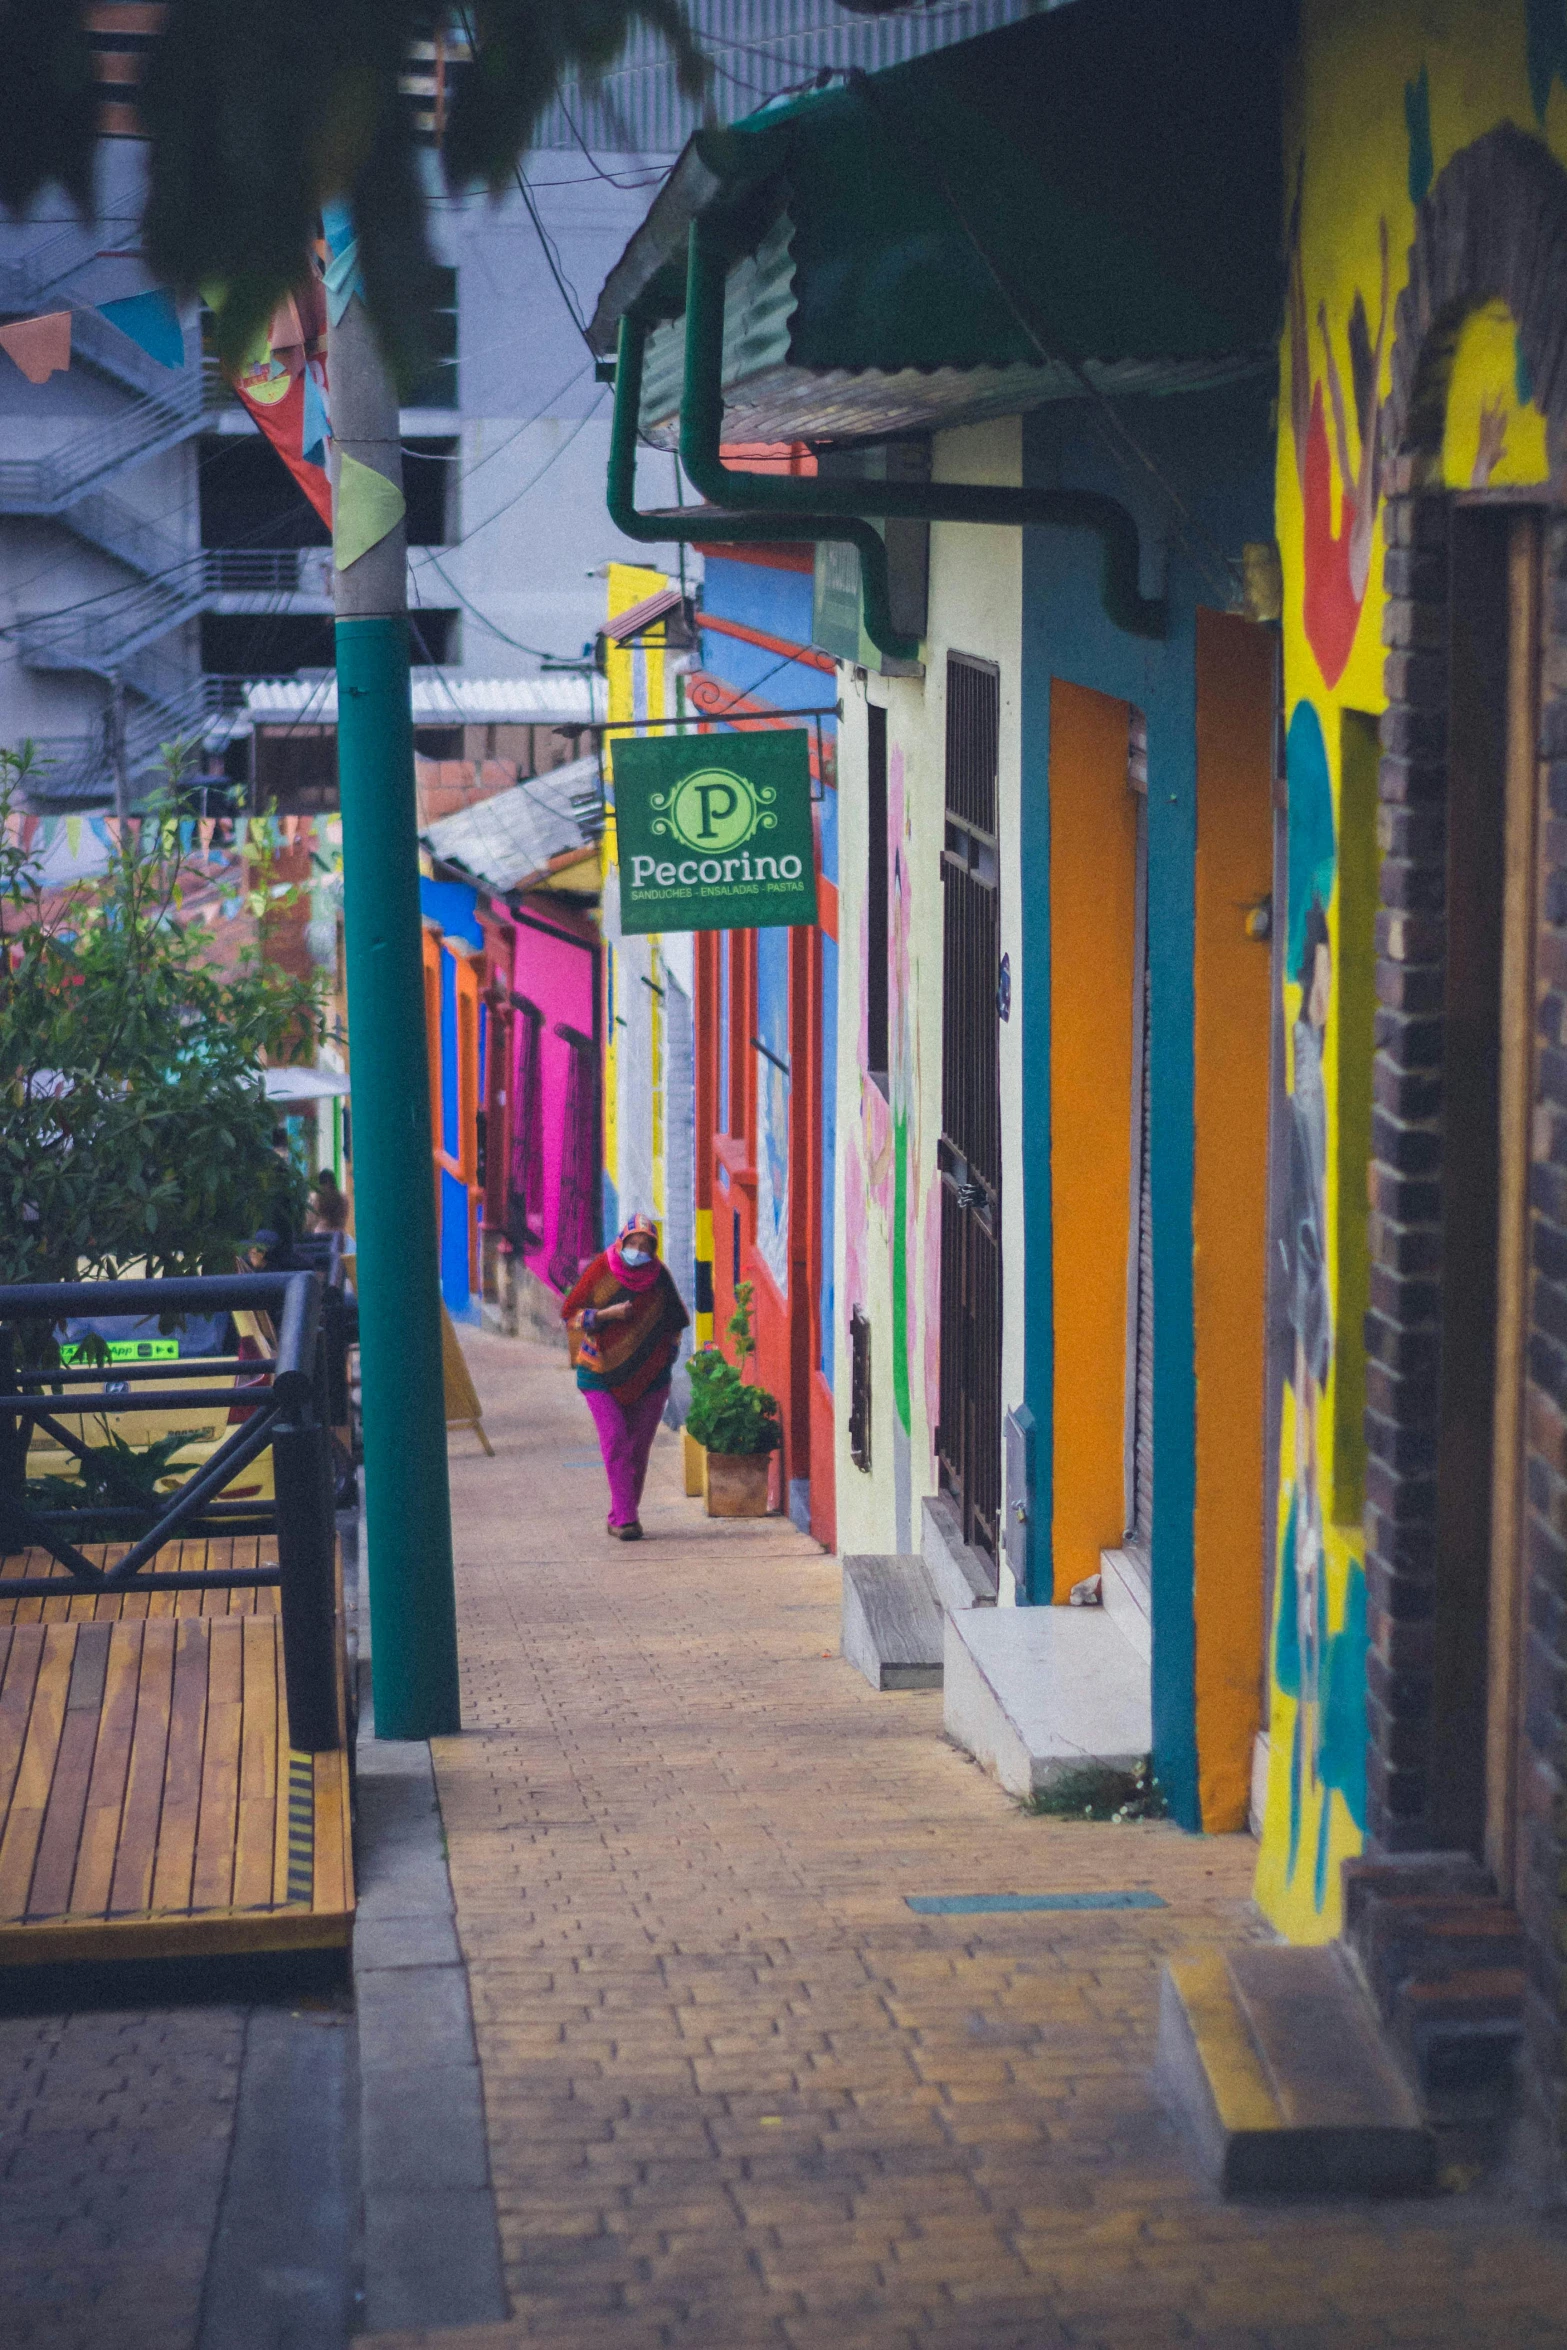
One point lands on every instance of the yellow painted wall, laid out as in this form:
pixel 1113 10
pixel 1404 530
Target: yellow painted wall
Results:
pixel 1387 92
pixel 1093 890
pixel 635 678
pixel 1232 988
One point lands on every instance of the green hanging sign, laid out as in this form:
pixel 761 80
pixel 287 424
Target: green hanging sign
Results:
pixel 714 832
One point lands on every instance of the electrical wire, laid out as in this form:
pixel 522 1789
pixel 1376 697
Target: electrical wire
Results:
pixel 552 260
pixel 429 555
pixel 553 458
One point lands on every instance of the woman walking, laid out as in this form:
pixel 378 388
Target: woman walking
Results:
pixel 625 1318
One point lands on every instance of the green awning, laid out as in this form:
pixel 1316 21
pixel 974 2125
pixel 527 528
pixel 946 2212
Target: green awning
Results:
pixel 1107 173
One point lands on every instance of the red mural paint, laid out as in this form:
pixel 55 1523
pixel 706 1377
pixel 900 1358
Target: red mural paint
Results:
pixel 1332 608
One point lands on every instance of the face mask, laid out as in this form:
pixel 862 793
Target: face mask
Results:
pixel 635 1256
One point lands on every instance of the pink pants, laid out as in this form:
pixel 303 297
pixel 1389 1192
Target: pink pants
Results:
pixel 625 1439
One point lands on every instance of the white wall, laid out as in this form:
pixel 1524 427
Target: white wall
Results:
pixel 975 607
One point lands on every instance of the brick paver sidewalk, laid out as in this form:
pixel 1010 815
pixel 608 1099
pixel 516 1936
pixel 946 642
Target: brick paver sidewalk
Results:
pixel 737 2092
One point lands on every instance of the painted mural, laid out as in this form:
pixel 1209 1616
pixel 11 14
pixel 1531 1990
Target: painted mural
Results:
pixel 1386 97
pixel 885 1173
pixel 772 1105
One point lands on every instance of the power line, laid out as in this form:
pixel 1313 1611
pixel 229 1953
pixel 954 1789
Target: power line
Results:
pixel 516 643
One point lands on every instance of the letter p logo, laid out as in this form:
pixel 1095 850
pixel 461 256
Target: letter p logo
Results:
pixel 719 801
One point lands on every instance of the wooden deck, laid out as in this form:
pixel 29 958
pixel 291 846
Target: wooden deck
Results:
pixel 150 1805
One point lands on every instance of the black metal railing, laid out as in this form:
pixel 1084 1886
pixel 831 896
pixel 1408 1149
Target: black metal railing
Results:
pixel 287 1404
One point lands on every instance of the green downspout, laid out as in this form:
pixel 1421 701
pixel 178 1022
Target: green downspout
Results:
pixel 724 526
pixel 701 431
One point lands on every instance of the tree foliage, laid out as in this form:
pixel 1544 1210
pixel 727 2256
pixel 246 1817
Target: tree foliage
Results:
pixel 258 114
pixel 134 1129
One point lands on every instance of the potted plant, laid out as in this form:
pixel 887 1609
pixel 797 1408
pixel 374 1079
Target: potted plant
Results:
pixel 736 1423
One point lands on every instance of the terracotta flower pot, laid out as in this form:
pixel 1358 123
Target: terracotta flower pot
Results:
pixel 737 1484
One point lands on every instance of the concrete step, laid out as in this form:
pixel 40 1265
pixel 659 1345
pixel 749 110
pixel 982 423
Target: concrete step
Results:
pixel 1460 2035
pixel 963 1579
pixel 1127 1598
pixel 1036 1692
pixel 1445 1969
pixel 1275 2059
pixel 1416 1875
pixel 892 1620
pixel 1400 1941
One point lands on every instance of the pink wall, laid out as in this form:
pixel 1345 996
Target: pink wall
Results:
pixel 555 968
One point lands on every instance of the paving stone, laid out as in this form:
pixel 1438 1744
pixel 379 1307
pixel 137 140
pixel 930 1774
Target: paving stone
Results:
pixel 735 2091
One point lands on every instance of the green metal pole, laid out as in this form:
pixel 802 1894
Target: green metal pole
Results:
pixel 413 1616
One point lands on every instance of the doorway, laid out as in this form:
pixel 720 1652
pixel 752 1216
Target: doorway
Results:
pixel 1488 1087
pixel 968 1441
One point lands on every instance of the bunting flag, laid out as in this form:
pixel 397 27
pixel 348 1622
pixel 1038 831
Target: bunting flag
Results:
pixel 368 506
pixel 241 831
pixel 343 280
pixel 282 381
pixel 291 830
pixel 187 835
pixel 152 321
pixel 73 835
pixel 40 346
pixel 209 825
pixel 111 828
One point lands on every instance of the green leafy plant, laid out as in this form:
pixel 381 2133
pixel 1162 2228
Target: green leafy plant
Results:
pixel 1098 1792
pixel 727 1414
pixel 114 1472
pixel 134 1131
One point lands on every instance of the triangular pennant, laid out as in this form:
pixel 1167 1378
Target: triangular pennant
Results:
pixel 151 320
pixel 209 825
pixel 241 831
pixel 187 835
pixel 368 506
pixel 291 830
pixel 73 835
pixel 343 280
pixel 316 427
pixel 40 346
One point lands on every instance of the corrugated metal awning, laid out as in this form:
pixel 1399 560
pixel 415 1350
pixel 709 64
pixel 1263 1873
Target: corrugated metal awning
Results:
pixel 521 835
pixel 1096 192
pixel 441 699
pixel 639 617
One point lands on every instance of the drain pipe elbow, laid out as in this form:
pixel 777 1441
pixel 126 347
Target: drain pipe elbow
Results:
pixel 701 436
pixel 722 524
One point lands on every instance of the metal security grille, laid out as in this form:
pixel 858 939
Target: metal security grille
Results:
pixel 859 1389
pixel 968 1440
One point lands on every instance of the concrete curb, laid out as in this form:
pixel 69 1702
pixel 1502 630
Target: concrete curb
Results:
pixel 431 2251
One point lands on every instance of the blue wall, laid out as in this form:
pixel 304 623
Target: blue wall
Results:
pixel 1215 449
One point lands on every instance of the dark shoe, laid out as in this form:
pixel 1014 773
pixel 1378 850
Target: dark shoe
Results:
pixel 631 1533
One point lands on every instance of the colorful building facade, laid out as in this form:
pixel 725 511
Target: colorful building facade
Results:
pixel 1200 911
pixel 1416 1643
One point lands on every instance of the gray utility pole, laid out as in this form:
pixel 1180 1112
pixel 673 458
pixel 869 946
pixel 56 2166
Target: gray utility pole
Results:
pixel 116 725
pixel 407 1506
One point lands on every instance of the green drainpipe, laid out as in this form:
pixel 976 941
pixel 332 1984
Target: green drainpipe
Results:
pixel 723 525
pixel 701 430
